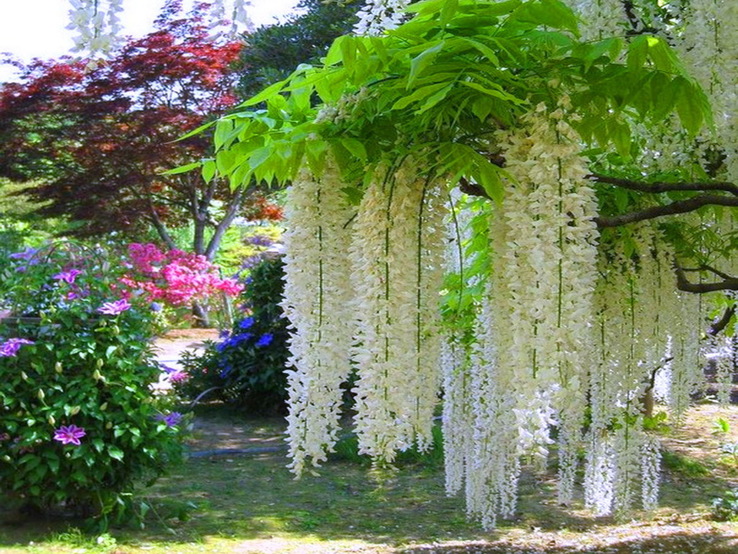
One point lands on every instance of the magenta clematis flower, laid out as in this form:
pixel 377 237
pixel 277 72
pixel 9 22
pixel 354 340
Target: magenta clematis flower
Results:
pixel 67 276
pixel 69 434
pixel 10 347
pixel 114 308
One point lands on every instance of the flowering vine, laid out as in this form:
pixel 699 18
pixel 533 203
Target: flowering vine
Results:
pixel 317 304
pixel 398 344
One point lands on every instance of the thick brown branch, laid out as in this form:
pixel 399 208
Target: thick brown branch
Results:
pixel 687 286
pixel 722 323
pixel 660 187
pixel 678 207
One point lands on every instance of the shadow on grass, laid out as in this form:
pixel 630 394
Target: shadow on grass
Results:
pixel 251 498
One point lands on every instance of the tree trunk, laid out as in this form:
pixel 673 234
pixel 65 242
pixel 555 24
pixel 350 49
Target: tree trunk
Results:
pixel 200 315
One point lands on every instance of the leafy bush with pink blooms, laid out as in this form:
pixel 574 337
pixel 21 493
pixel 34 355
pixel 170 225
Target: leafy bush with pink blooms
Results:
pixel 79 427
pixel 175 277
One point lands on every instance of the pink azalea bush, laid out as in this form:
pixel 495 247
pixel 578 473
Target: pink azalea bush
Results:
pixel 175 277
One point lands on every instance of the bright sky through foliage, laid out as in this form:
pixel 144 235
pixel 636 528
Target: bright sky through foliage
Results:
pixel 36 28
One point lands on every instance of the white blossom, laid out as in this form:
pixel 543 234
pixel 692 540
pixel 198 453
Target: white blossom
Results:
pixel 377 16
pixel 317 303
pixel 397 255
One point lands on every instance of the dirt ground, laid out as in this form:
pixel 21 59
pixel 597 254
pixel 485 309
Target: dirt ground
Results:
pixel 170 346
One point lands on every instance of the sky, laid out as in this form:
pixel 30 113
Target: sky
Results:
pixel 36 28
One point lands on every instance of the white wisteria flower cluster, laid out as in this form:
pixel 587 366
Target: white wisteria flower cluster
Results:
pixel 709 47
pixel 647 345
pixel 96 23
pixel 317 302
pixel 363 291
pixel 528 370
pixel 600 18
pixel 398 260
pixel 98 26
pixel 232 15
pixel 377 16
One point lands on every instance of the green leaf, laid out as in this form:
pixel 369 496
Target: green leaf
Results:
pixel 355 147
pixel 115 453
pixel 489 178
pixel 550 13
pixel 501 94
pixel 637 52
pixel 435 99
pixel 448 10
pixel 259 157
pixel 208 170
pixel 689 108
pixel 422 61
pixel 418 95
pixel 264 95
pixel 223 130
pixel 182 169
pixel 485 50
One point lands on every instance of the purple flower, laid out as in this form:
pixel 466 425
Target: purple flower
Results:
pixel 11 346
pixel 246 323
pixel 155 307
pixel 260 240
pixel 114 308
pixel 170 420
pixel 69 434
pixel 67 276
pixel 265 339
pixel 27 254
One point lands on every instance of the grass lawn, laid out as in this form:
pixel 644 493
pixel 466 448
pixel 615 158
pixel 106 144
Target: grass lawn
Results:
pixel 251 504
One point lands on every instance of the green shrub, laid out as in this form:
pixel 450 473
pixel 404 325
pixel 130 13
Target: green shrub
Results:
pixel 247 365
pixel 79 426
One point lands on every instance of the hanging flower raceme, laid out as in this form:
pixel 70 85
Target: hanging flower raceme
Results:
pixel 601 19
pixel 709 46
pixel 317 303
pixel 646 345
pixel 397 256
pixel 532 360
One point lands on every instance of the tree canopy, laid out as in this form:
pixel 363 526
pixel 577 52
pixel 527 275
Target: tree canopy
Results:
pixel 99 139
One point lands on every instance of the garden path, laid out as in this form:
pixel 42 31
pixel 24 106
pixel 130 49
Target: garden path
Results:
pixel 170 346
pixel 218 436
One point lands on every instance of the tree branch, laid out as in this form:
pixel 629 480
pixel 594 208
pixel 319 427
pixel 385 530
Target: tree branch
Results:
pixel 678 207
pixel 233 206
pixel 730 283
pixel 472 189
pixel 722 323
pixel 659 187
pixel 159 226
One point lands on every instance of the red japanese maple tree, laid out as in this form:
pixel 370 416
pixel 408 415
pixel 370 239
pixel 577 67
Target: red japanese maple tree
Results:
pixel 98 137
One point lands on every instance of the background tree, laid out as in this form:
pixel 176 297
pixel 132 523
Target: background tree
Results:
pixel 274 51
pixel 98 137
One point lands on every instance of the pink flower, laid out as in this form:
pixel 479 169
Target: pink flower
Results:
pixel 178 376
pixel 69 434
pixel 114 308
pixel 11 346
